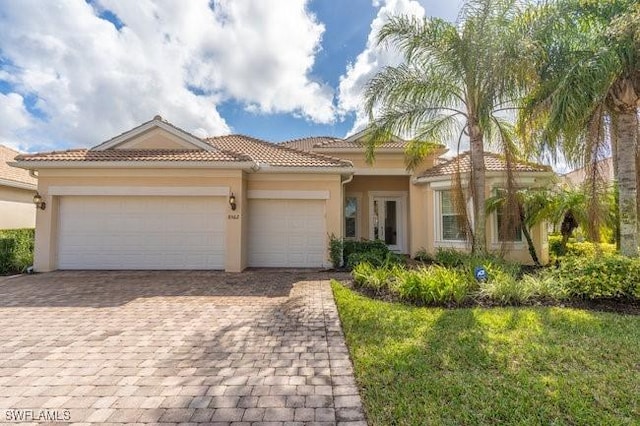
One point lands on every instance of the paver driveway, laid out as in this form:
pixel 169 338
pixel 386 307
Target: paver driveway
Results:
pixel 261 347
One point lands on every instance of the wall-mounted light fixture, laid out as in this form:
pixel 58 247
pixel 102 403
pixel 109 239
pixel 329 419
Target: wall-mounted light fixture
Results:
pixel 232 202
pixel 37 200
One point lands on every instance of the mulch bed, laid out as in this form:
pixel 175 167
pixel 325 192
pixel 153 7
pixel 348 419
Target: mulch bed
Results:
pixel 619 306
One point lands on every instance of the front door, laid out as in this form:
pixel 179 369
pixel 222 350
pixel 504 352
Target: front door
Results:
pixel 387 222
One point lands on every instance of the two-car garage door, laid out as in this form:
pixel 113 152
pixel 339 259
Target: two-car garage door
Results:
pixel 180 232
pixel 125 232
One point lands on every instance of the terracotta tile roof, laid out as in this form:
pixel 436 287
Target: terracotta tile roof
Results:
pixel 13 174
pixel 274 154
pixel 135 155
pixel 307 144
pixel 347 144
pixel 329 142
pixel 492 162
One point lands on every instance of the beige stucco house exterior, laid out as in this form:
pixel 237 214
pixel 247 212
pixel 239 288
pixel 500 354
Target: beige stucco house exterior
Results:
pixel 157 197
pixel 17 189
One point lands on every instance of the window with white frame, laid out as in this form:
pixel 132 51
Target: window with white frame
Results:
pixel 351 217
pixel 506 232
pixel 451 227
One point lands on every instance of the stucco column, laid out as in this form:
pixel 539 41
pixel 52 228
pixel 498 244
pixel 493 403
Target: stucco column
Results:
pixel 46 229
pixel 419 214
pixel 235 223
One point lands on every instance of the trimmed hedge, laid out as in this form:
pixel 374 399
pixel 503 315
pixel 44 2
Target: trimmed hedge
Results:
pixel 578 248
pixel 351 253
pixel 599 277
pixel 16 250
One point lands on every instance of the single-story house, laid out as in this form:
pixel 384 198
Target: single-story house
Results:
pixel 17 188
pixel 158 197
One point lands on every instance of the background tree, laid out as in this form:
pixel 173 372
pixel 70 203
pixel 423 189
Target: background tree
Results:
pixel 586 95
pixel 455 80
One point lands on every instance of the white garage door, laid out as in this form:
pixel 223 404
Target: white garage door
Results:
pixel 287 233
pixel 99 232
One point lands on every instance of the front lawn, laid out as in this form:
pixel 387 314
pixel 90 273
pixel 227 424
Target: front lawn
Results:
pixel 534 365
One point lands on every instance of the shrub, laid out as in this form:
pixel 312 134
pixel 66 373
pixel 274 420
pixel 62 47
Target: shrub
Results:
pixel 546 285
pixel 375 258
pixel 605 276
pixel 16 250
pixel 506 289
pixel 578 248
pixel 423 256
pixel 451 258
pixel 374 252
pixel 431 285
pixel 336 246
pixel 374 278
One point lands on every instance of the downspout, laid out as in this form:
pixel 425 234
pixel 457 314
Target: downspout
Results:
pixel 347 180
pixel 33 174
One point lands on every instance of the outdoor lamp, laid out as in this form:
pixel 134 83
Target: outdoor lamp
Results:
pixel 37 200
pixel 232 202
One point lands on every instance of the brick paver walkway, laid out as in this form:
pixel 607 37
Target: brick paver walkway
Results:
pixel 259 348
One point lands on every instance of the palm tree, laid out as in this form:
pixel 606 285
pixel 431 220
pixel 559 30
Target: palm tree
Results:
pixel 455 81
pixel 586 97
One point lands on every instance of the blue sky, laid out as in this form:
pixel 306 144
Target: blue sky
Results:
pixel 74 73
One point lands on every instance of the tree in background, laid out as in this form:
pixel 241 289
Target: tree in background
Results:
pixel 586 95
pixel 455 80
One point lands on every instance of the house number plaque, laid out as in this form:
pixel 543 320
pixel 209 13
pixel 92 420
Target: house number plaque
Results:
pixel 233 216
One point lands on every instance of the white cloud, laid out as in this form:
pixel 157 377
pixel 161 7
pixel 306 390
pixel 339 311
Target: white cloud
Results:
pixel 179 59
pixel 371 60
pixel 14 118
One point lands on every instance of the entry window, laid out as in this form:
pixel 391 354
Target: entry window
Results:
pixel 351 217
pixel 450 220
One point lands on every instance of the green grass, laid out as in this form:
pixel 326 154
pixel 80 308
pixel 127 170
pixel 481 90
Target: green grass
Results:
pixel 526 366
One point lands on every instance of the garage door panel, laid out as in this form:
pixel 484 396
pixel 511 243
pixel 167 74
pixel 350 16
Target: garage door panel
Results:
pixel 141 233
pixel 286 233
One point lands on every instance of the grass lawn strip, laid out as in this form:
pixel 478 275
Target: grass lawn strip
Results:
pixel 534 365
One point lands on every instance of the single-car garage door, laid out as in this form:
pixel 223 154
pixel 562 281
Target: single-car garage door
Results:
pixel 287 233
pixel 118 232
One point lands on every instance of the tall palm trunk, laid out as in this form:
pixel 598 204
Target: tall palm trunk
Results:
pixel 627 182
pixel 479 244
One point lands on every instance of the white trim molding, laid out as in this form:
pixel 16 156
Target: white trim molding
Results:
pixel 172 191
pixel 401 197
pixel 16 184
pixel 438 240
pixel 262 194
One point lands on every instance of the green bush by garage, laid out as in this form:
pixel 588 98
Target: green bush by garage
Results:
pixel 16 250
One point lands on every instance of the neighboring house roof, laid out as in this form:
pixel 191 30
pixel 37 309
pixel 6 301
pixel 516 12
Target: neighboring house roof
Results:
pixel 134 155
pixel 328 143
pixel 307 144
pixel 605 168
pixel 274 154
pixel 357 144
pixel 11 176
pixel 492 163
